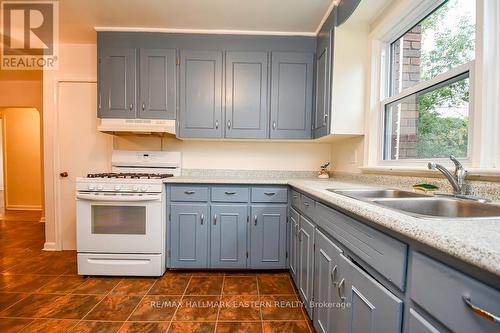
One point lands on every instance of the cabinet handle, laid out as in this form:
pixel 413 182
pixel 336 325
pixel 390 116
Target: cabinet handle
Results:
pixel 202 218
pixel 480 312
pixel 143 106
pixel 255 220
pixel 306 204
pixel 189 192
pixel 325 118
pixel 215 219
pixel 269 193
pixel 131 106
pixel 216 124
pixel 229 124
pixel 274 124
pixel 230 193
pixel 297 230
pixel 340 289
pixel 333 275
pixel 99 105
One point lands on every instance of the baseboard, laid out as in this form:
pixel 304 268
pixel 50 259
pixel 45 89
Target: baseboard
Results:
pixel 49 246
pixel 23 207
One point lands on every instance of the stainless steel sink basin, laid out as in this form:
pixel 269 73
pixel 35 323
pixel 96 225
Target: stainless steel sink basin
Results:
pixel 377 193
pixel 442 207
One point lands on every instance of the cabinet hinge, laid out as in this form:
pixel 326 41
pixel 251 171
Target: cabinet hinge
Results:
pixel 286 254
pixel 247 254
pixel 248 218
pixel 177 62
pixel 314 247
pixel 287 219
pixel 169 217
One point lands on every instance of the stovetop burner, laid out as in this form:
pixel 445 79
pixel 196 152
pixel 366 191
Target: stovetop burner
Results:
pixel 130 175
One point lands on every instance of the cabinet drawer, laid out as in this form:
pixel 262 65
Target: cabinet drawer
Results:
pixel 269 194
pixel 384 253
pixel 188 193
pixel 230 194
pixel 307 206
pixel 440 289
pixel 295 199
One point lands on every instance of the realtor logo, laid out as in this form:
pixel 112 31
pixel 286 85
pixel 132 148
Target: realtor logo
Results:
pixel 30 32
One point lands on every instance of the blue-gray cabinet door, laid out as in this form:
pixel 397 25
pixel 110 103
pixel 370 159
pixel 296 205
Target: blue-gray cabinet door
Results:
pixel 268 237
pixel 200 88
pixel 228 236
pixel 291 95
pixel 322 105
pixel 293 242
pixel 157 84
pixel 306 262
pixel 373 308
pixel 189 235
pixel 246 95
pixel 117 83
pixel 326 274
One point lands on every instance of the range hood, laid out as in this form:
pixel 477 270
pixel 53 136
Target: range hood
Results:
pixel 138 126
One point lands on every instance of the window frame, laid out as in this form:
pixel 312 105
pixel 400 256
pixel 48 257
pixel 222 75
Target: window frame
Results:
pixel 381 57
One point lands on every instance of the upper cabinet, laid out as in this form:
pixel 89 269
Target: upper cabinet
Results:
pixel 157 84
pixel 322 106
pixel 341 70
pixel 291 95
pixel 117 83
pixel 200 106
pixel 246 95
pixel 132 87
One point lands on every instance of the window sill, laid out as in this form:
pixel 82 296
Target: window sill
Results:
pixel 492 175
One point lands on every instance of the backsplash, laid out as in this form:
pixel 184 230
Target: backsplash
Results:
pixel 482 189
pixel 219 173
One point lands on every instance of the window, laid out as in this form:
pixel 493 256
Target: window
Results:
pixel 427 111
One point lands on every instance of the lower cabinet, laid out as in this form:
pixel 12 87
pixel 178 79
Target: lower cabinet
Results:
pixel 326 269
pixel 305 266
pixel 189 235
pixel 293 242
pixel 268 236
pixel 228 236
pixel 233 227
pixel 373 308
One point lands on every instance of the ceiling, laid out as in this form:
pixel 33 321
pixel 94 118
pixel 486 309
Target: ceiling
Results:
pixel 78 18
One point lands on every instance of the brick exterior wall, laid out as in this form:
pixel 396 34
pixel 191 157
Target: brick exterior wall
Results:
pixel 406 75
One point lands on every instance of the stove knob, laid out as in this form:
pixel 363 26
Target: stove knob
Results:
pixel 91 187
pixel 135 188
pixel 144 188
pixel 118 187
pixel 100 187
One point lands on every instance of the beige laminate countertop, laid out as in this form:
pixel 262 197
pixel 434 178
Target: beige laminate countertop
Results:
pixel 476 242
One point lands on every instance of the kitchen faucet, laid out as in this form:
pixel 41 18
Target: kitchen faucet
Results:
pixel 456 179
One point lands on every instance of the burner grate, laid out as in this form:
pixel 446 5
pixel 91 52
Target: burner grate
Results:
pixel 130 175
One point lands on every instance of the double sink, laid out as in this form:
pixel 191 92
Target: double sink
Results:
pixel 423 205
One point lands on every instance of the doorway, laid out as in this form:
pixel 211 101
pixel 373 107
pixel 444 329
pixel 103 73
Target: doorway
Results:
pixel 22 195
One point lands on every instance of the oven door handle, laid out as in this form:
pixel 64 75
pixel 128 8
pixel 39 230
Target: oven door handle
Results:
pixel 121 198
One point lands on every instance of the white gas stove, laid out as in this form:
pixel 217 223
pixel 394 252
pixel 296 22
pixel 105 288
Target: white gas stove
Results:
pixel 121 222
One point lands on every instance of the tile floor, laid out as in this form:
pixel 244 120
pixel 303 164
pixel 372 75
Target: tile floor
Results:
pixel 40 292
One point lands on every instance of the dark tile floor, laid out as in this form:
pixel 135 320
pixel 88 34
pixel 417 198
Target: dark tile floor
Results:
pixel 40 292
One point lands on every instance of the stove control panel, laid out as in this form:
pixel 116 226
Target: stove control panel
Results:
pixel 119 185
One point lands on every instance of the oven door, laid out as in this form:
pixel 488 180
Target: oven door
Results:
pixel 120 223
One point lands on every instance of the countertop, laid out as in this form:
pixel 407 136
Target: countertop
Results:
pixel 474 242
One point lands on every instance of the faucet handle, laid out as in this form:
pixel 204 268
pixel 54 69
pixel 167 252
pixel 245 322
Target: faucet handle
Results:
pixel 458 165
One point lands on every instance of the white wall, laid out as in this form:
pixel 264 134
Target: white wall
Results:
pixel 241 155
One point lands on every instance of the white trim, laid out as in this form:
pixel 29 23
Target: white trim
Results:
pixel 23 207
pixel 207 31
pixel 328 11
pixel 50 246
